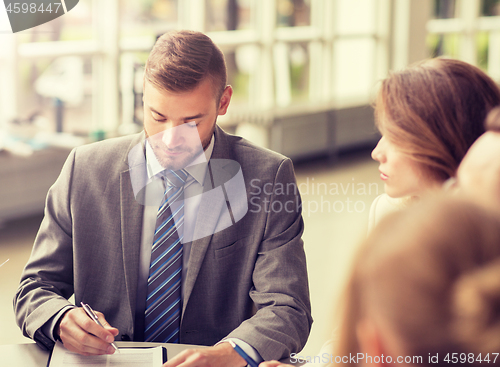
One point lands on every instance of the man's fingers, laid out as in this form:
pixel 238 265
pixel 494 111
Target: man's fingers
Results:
pixel 179 358
pixel 188 357
pixel 106 324
pixel 221 355
pixel 79 333
pixel 82 343
pixel 274 364
pixel 77 340
pixel 90 326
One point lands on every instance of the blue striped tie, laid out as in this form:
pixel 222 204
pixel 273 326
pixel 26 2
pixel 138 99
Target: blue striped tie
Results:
pixel 163 303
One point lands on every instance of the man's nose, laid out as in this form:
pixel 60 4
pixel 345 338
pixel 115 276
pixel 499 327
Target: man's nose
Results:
pixel 173 136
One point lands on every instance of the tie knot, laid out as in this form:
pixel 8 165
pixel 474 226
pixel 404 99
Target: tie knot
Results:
pixel 175 178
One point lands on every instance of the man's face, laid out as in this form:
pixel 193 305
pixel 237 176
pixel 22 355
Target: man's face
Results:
pixel 179 126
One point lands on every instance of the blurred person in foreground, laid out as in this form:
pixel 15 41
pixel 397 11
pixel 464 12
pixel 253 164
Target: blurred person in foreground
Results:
pixel 169 233
pixel 478 175
pixel 429 114
pixel 424 290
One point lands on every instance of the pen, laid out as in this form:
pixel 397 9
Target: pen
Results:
pixel 243 355
pixel 93 316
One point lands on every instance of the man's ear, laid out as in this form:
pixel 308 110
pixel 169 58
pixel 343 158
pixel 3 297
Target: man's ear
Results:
pixel 370 343
pixel 224 100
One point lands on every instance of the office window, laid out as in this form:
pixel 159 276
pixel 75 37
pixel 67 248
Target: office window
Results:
pixel 54 90
pixel 228 15
pixel 444 44
pixel 293 13
pixel 354 72
pixel 57 95
pixel 490 8
pixel 241 63
pixel 356 17
pixel 482 41
pixel 488 42
pixel 468 30
pixel 279 53
pixel 299 71
pixel 354 52
pixel 75 25
pixel 141 18
pixel 444 9
pixel 291 73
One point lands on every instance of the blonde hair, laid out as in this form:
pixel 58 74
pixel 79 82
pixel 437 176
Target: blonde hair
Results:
pixel 434 110
pixel 430 274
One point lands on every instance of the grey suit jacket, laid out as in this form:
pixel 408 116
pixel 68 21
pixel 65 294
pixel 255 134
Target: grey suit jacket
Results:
pixel 247 281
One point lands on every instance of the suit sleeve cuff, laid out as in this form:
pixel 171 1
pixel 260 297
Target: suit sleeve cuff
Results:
pixel 247 348
pixel 48 328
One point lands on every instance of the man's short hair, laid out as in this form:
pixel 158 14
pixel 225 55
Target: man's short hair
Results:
pixel 181 60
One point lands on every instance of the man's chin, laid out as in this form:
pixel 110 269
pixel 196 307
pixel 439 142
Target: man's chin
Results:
pixel 175 163
pixel 171 164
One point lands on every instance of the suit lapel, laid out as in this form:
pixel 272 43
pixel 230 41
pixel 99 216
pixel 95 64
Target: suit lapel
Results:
pixel 212 209
pixel 131 232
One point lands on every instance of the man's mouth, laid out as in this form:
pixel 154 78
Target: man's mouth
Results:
pixel 173 152
pixel 169 152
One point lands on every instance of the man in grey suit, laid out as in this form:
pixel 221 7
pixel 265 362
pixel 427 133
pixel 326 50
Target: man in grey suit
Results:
pixel 236 221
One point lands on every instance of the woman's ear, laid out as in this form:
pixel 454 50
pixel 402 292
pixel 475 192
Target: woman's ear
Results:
pixel 370 344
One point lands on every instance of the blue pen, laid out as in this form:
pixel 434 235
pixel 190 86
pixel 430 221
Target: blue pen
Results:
pixel 243 355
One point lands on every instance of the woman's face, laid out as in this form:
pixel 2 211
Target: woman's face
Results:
pixel 402 176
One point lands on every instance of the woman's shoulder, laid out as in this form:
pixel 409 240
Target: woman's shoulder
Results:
pixel 381 206
pixel 385 202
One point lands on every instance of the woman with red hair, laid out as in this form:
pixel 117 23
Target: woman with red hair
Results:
pixel 429 114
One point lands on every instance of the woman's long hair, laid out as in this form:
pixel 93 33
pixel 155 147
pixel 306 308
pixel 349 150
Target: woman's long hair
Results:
pixel 434 111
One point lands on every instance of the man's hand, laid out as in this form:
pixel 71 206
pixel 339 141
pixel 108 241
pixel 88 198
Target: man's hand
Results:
pixel 274 364
pixel 81 335
pixel 222 355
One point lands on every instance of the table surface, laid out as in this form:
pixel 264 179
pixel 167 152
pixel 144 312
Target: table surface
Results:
pixel 30 355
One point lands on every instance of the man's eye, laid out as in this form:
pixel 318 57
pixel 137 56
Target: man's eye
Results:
pixel 157 117
pixel 191 123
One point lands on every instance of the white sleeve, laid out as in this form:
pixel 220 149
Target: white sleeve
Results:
pixel 372 217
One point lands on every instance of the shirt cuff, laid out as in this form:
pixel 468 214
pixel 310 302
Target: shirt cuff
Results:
pixel 48 328
pixel 247 348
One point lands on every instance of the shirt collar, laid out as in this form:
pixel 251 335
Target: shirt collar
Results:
pixel 197 169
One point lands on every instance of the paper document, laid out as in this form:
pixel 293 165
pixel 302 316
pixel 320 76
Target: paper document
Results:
pixel 128 357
